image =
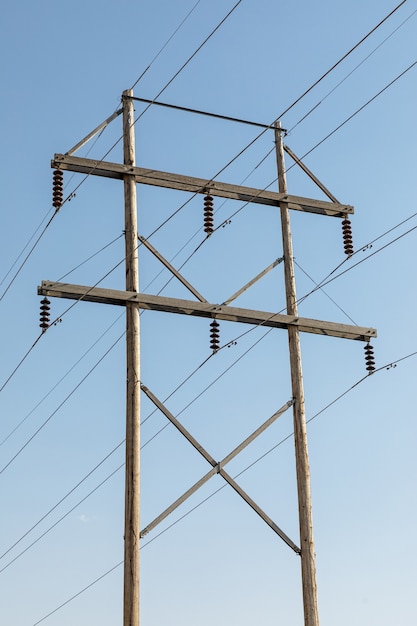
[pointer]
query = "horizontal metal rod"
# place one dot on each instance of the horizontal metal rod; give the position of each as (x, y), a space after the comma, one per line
(199, 112)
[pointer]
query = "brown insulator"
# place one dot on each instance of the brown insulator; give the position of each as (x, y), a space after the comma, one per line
(44, 316)
(208, 214)
(57, 189)
(369, 358)
(214, 336)
(347, 236)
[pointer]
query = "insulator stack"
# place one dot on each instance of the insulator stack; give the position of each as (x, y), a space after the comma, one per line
(44, 318)
(347, 236)
(214, 336)
(57, 189)
(369, 358)
(208, 214)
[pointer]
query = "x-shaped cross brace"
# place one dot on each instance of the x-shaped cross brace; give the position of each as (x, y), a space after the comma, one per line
(217, 468)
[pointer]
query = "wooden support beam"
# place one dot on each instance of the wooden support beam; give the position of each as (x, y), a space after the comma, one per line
(253, 281)
(132, 472)
(199, 185)
(308, 560)
(215, 469)
(219, 470)
(172, 269)
(204, 309)
(94, 132)
(310, 174)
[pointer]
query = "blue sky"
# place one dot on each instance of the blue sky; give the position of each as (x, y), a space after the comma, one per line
(65, 67)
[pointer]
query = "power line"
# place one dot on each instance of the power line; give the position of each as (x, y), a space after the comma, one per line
(91, 257)
(48, 530)
(341, 59)
(361, 108)
(273, 448)
(265, 129)
(22, 360)
(165, 45)
(325, 293)
(327, 280)
(16, 274)
(23, 249)
(59, 381)
(79, 593)
(32, 437)
(318, 286)
(351, 72)
(379, 94)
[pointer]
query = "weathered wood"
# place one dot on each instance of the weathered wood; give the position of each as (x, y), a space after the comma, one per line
(219, 470)
(204, 309)
(172, 269)
(308, 559)
(310, 174)
(253, 281)
(199, 185)
(132, 492)
(215, 468)
(94, 132)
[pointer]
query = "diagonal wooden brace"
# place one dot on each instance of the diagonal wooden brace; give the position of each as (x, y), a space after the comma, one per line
(217, 468)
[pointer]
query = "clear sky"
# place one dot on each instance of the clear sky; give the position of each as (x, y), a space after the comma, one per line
(62, 406)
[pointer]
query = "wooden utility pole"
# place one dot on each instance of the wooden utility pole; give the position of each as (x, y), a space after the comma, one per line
(200, 307)
(308, 566)
(132, 491)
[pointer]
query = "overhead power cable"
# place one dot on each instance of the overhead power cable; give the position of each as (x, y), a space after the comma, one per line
(319, 286)
(78, 594)
(22, 360)
(325, 293)
(300, 300)
(23, 249)
(350, 73)
(361, 108)
(148, 67)
(273, 448)
(170, 81)
(351, 267)
(333, 67)
(32, 437)
(267, 126)
(22, 421)
(16, 274)
(243, 206)
(48, 530)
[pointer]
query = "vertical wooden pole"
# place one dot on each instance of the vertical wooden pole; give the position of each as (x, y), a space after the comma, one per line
(132, 489)
(308, 566)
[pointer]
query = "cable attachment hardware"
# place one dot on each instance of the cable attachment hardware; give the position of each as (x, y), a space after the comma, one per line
(214, 336)
(369, 358)
(57, 189)
(208, 214)
(347, 236)
(44, 317)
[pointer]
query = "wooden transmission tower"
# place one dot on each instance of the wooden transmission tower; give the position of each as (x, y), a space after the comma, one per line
(133, 300)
